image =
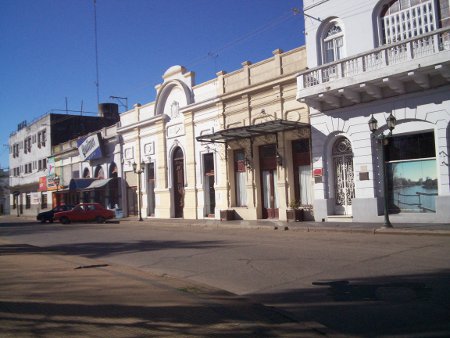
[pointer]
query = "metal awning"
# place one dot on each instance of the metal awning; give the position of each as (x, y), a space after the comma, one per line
(238, 133)
(87, 183)
(98, 183)
(80, 183)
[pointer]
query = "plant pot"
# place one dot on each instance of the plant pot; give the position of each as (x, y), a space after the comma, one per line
(294, 215)
(226, 215)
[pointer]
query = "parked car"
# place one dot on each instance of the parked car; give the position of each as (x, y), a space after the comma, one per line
(48, 216)
(85, 212)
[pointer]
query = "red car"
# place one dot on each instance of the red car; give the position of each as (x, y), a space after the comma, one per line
(85, 212)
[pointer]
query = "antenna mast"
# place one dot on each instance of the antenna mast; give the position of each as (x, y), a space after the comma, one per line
(97, 84)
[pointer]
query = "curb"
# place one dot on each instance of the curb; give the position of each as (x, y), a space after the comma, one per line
(362, 228)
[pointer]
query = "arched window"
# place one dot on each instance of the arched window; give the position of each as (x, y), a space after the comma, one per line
(404, 19)
(333, 42)
(86, 173)
(99, 172)
(113, 170)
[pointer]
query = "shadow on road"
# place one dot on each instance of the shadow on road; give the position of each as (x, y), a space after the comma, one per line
(104, 249)
(413, 305)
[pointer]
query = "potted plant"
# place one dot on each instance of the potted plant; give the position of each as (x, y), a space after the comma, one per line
(294, 213)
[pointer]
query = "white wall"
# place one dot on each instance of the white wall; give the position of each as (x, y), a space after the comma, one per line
(356, 16)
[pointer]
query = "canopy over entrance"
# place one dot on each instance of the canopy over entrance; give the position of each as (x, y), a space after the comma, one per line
(87, 183)
(261, 129)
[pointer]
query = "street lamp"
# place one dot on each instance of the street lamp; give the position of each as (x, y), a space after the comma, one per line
(56, 180)
(139, 172)
(383, 139)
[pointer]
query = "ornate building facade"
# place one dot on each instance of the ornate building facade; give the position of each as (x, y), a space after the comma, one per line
(387, 63)
(235, 146)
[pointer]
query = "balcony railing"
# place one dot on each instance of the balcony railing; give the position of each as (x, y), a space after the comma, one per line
(392, 54)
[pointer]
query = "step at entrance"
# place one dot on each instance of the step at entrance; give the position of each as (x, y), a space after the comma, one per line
(339, 218)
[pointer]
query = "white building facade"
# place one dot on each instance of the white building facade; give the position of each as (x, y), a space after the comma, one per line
(371, 58)
(30, 147)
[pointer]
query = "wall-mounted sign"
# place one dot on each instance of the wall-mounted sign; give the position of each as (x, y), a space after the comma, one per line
(89, 147)
(51, 183)
(42, 183)
(318, 172)
(50, 166)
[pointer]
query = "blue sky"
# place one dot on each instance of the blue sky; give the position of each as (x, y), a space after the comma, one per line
(47, 48)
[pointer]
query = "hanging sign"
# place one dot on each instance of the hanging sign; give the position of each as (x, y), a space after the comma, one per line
(318, 172)
(89, 147)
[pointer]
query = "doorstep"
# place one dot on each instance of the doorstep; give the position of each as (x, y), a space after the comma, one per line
(339, 218)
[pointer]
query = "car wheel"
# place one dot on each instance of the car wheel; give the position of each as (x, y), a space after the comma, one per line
(50, 220)
(100, 219)
(65, 220)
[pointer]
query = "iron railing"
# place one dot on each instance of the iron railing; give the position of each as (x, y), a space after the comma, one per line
(392, 54)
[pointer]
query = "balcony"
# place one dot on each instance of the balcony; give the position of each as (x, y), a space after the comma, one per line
(408, 66)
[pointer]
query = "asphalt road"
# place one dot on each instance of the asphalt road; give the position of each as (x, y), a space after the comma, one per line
(354, 284)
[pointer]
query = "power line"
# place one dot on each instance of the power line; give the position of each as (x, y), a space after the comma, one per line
(277, 21)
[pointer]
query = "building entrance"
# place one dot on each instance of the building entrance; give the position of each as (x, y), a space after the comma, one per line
(344, 186)
(268, 163)
(178, 182)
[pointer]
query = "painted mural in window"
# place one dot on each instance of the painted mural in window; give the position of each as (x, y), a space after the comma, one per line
(412, 174)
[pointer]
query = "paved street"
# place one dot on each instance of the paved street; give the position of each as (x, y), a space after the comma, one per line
(348, 283)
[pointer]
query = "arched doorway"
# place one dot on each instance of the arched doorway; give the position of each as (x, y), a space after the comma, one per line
(178, 182)
(344, 186)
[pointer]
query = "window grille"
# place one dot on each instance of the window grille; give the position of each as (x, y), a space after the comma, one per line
(404, 19)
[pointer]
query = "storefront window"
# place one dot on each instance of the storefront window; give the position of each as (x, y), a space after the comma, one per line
(412, 175)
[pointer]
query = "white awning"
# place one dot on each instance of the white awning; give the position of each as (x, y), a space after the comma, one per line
(98, 184)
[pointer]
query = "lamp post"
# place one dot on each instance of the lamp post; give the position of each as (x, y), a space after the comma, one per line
(56, 180)
(139, 172)
(383, 139)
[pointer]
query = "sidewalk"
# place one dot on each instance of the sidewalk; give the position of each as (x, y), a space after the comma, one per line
(46, 294)
(435, 229)
(399, 228)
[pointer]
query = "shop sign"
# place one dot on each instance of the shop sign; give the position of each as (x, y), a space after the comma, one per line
(51, 166)
(89, 147)
(42, 183)
(318, 172)
(51, 183)
(35, 198)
